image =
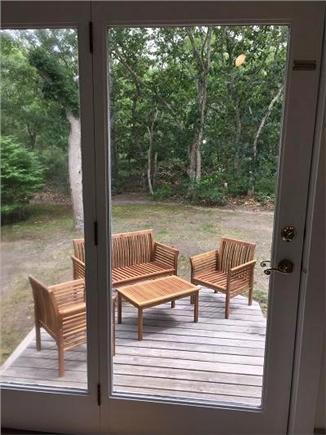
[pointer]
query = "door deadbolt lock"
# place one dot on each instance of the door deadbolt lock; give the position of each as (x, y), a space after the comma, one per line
(288, 233)
(284, 266)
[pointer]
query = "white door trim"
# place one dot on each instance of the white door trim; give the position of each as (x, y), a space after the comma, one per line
(311, 317)
(64, 412)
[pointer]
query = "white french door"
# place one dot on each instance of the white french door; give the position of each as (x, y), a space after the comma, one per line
(53, 403)
(97, 408)
(132, 414)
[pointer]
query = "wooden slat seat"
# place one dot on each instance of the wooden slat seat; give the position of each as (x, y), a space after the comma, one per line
(229, 270)
(121, 275)
(215, 277)
(135, 257)
(219, 279)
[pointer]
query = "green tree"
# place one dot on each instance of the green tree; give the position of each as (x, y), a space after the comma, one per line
(37, 123)
(21, 177)
(218, 116)
(54, 54)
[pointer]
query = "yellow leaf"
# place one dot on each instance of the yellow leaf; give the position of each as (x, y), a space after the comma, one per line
(240, 60)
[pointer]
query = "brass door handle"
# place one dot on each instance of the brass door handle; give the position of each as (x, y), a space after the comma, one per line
(284, 266)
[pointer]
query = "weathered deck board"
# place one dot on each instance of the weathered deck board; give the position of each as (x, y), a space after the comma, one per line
(215, 360)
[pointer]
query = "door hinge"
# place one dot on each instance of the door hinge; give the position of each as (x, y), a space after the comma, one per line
(99, 398)
(90, 27)
(95, 233)
(304, 65)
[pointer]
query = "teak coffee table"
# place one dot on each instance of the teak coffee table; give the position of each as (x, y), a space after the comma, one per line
(154, 292)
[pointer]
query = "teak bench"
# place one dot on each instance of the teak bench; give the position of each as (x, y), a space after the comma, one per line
(135, 257)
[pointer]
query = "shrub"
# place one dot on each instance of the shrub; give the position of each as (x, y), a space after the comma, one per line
(54, 160)
(163, 192)
(21, 176)
(209, 190)
(266, 186)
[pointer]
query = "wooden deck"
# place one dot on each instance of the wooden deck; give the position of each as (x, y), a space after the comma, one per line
(214, 360)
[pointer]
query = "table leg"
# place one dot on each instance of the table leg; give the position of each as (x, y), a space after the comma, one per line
(196, 306)
(119, 308)
(140, 323)
(172, 304)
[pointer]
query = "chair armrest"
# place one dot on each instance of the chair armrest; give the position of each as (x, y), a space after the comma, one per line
(243, 269)
(205, 262)
(72, 309)
(166, 255)
(68, 292)
(78, 268)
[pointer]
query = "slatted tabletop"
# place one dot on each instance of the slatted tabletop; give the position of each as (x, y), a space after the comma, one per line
(215, 360)
(148, 293)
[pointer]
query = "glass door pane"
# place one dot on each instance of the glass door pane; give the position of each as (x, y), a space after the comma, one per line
(195, 115)
(43, 287)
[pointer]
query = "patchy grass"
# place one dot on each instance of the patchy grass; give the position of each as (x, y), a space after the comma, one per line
(41, 246)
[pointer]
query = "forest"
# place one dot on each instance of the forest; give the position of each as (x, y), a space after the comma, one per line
(194, 113)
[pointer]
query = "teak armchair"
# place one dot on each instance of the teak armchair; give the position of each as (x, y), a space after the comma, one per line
(229, 270)
(60, 309)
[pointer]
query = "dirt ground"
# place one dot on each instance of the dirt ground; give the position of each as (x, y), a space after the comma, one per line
(41, 246)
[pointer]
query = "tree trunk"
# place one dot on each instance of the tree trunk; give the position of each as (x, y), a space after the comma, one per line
(75, 170)
(149, 170)
(154, 169)
(32, 136)
(194, 171)
(150, 152)
(236, 163)
(202, 57)
(251, 191)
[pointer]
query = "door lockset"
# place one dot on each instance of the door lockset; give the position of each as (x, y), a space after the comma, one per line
(284, 266)
(288, 233)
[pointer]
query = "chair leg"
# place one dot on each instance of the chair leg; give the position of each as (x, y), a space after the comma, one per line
(227, 305)
(113, 326)
(61, 358)
(250, 295)
(38, 336)
(119, 308)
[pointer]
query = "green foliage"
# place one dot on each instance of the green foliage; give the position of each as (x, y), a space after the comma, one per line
(163, 192)
(21, 176)
(39, 84)
(156, 68)
(58, 82)
(208, 191)
(154, 93)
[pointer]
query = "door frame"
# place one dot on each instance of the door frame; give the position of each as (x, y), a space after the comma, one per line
(65, 412)
(48, 408)
(310, 337)
(150, 415)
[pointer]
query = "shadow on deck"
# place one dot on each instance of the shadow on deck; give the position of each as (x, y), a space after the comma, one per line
(215, 360)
